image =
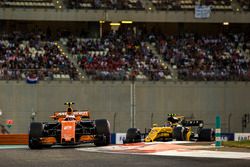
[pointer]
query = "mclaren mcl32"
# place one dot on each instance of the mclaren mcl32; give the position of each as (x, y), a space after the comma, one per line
(71, 128)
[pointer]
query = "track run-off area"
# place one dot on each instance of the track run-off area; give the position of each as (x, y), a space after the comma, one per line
(181, 149)
(177, 154)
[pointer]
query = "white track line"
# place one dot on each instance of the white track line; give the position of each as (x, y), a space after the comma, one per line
(4, 147)
(206, 154)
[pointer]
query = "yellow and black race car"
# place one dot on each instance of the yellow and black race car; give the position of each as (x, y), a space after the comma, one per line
(71, 128)
(176, 128)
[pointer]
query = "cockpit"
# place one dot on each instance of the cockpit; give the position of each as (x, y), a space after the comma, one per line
(69, 118)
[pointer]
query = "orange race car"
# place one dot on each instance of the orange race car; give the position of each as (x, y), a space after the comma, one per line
(72, 128)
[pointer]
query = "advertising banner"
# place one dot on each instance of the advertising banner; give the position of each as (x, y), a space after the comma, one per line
(119, 138)
(241, 136)
(227, 136)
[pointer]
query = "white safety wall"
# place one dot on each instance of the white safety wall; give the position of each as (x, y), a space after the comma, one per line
(112, 100)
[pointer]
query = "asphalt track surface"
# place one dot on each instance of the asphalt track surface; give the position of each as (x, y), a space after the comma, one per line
(71, 157)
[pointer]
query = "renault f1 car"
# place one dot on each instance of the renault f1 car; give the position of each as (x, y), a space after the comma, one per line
(176, 128)
(71, 128)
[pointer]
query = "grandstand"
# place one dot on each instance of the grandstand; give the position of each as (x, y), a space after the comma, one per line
(106, 4)
(186, 56)
(130, 51)
(28, 3)
(190, 4)
(23, 55)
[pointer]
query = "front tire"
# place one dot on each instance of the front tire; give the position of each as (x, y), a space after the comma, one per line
(207, 135)
(102, 137)
(133, 135)
(35, 133)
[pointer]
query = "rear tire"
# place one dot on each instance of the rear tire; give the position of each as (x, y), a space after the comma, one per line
(102, 137)
(35, 133)
(178, 133)
(133, 135)
(206, 135)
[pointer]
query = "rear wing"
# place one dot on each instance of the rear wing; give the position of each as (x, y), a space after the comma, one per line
(199, 123)
(81, 114)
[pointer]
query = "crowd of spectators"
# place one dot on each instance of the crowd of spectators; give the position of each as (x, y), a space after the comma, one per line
(190, 4)
(206, 57)
(28, 54)
(125, 55)
(245, 4)
(28, 3)
(105, 4)
(168, 4)
(121, 55)
(127, 4)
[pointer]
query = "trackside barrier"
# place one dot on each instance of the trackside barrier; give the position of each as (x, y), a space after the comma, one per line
(14, 139)
(22, 139)
(112, 138)
(227, 136)
(117, 138)
(241, 136)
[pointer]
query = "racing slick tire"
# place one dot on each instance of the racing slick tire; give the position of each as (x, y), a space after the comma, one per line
(207, 134)
(102, 137)
(178, 133)
(35, 133)
(133, 135)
